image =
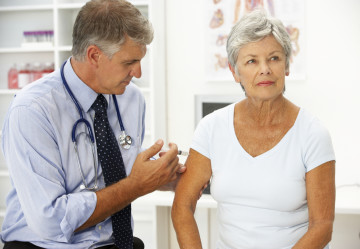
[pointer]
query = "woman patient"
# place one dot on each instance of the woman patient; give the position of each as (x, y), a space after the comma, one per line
(271, 163)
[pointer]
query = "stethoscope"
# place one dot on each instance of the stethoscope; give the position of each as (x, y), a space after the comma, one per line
(125, 140)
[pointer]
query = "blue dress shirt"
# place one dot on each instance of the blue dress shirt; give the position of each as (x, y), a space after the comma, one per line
(46, 204)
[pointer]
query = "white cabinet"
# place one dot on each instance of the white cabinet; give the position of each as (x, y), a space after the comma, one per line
(17, 16)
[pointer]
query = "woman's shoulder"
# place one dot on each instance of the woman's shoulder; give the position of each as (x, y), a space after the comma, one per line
(310, 126)
(315, 140)
(308, 120)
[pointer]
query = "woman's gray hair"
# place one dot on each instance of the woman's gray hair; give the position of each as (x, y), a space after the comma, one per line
(253, 27)
(106, 24)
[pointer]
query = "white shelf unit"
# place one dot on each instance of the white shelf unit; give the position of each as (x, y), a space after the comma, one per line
(17, 16)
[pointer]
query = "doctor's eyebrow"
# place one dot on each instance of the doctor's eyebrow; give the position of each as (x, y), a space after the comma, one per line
(130, 61)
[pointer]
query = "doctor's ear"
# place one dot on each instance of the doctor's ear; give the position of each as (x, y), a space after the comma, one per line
(93, 54)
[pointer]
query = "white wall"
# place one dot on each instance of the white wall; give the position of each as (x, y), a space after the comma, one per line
(330, 90)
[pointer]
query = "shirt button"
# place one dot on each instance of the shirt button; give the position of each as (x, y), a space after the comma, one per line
(99, 227)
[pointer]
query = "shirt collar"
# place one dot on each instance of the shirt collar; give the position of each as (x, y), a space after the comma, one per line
(82, 92)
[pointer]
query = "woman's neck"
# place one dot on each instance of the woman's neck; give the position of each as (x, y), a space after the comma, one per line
(264, 113)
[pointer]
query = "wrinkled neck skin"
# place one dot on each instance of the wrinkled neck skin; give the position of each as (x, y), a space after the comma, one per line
(265, 112)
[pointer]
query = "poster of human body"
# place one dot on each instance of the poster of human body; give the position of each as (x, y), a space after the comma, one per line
(220, 17)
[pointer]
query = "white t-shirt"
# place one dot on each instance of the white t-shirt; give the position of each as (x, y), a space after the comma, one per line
(261, 200)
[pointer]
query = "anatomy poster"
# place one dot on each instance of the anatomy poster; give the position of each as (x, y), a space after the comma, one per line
(221, 15)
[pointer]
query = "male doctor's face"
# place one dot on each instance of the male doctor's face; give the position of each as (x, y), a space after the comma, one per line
(116, 73)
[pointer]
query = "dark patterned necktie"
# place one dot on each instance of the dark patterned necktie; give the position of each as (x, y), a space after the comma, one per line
(113, 169)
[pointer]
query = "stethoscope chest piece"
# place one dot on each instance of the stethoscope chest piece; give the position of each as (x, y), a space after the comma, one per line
(125, 140)
(83, 187)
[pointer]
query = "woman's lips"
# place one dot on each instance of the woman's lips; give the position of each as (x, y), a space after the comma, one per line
(265, 83)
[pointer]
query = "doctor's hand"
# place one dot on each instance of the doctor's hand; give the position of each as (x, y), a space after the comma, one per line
(150, 175)
(171, 186)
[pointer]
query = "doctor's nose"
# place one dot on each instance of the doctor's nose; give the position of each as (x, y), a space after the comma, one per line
(136, 70)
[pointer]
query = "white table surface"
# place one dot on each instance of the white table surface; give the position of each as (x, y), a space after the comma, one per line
(347, 200)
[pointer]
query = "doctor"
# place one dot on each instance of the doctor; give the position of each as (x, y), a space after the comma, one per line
(60, 197)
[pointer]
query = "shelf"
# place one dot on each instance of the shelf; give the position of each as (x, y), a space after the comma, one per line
(75, 6)
(71, 6)
(4, 173)
(2, 212)
(27, 8)
(27, 50)
(9, 91)
(65, 48)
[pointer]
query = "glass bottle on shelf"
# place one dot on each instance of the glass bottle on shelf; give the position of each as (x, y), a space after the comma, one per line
(24, 75)
(48, 68)
(13, 78)
(36, 71)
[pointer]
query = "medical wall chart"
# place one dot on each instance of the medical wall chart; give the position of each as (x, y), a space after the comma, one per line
(221, 15)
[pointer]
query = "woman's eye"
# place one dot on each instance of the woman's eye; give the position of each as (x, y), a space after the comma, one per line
(274, 58)
(250, 61)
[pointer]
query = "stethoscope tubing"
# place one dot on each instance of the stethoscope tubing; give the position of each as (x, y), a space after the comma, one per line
(73, 135)
(82, 119)
(122, 128)
(125, 141)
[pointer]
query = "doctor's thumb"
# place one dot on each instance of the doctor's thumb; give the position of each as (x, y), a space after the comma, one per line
(154, 149)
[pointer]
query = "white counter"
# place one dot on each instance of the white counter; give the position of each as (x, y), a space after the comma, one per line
(161, 234)
(160, 198)
(347, 200)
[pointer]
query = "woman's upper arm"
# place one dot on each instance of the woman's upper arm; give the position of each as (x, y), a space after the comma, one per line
(197, 174)
(320, 188)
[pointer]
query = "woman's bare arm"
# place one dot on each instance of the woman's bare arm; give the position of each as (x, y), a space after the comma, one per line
(198, 173)
(320, 188)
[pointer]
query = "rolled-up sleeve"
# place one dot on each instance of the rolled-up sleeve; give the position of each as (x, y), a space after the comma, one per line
(38, 175)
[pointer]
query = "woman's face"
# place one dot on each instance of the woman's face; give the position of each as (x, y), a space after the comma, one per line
(261, 69)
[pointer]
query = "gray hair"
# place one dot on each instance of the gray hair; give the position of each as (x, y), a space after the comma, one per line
(253, 27)
(106, 24)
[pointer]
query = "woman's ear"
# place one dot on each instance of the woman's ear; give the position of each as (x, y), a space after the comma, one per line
(235, 75)
(287, 71)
